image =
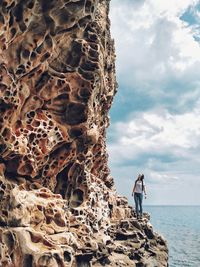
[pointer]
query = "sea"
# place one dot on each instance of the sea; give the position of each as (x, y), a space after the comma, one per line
(180, 226)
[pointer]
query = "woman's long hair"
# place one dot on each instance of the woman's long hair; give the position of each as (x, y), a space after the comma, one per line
(140, 177)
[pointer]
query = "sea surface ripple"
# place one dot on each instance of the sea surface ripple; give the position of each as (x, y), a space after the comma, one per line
(180, 225)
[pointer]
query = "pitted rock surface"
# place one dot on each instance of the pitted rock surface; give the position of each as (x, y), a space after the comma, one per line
(58, 204)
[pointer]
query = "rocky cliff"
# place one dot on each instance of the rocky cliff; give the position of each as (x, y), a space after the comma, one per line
(58, 205)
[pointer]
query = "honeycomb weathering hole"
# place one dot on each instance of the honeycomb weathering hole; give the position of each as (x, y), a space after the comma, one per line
(75, 113)
(77, 198)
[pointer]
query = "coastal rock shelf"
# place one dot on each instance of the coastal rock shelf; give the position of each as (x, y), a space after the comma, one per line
(58, 203)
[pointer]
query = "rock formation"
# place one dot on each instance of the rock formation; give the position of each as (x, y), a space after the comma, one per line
(58, 204)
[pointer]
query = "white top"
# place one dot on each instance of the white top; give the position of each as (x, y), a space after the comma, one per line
(138, 187)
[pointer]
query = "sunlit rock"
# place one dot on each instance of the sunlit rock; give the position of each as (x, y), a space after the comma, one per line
(58, 204)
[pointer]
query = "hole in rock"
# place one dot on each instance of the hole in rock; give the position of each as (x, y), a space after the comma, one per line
(89, 66)
(18, 12)
(36, 123)
(88, 6)
(22, 26)
(25, 169)
(62, 97)
(33, 55)
(62, 181)
(11, 21)
(11, 166)
(76, 198)
(85, 92)
(60, 82)
(48, 41)
(44, 57)
(67, 256)
(1, 194)
(2, 148)
(81, 146)
(15, 222)
(39, 49)
(42, 80)
(73, 58)
(59, 222)
(75, 132)
(83, 21)
(30, 4)
(86, 75)
(47, 5)
(1, 18)
(9, 240)
(63, 16)
(84, 260)
(75, 113)
(2, 87)
(5, 212)
(74, 7)
(28, 260)
(4, 106)
(31, 137)
(79, 180)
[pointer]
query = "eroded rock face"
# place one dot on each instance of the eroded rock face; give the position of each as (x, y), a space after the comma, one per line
(57, 81)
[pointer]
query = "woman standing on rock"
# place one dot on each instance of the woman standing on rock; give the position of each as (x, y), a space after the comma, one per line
(138, 189)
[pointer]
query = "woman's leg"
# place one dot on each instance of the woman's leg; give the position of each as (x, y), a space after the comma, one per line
(140, 203)
(136, 203)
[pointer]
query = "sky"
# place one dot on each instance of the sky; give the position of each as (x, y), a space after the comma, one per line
(155, 117)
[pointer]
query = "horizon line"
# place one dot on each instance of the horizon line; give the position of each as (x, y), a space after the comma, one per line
(175, 205)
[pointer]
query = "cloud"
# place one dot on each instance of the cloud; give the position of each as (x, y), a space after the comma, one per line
(155, 119)
(155, 177)
(154, 45)
(151, 130)
(163, 146)
(170, 7)
(157, 132)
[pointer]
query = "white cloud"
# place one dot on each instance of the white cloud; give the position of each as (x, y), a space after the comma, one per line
(153, 45)
(156, 132)
(163, 146)
(157, 58)
(170, 7)
(164, 178)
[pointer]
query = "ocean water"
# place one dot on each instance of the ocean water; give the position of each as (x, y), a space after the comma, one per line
(180, 225)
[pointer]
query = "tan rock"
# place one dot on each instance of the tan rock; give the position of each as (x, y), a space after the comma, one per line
(58, 204)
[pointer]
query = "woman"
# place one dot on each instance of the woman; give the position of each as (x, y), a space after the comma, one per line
(138, 189)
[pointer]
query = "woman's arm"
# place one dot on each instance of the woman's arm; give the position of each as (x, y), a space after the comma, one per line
(145, 191)
(133, 189)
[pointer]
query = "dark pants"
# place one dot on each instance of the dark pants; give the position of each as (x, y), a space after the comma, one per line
(138, 203)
